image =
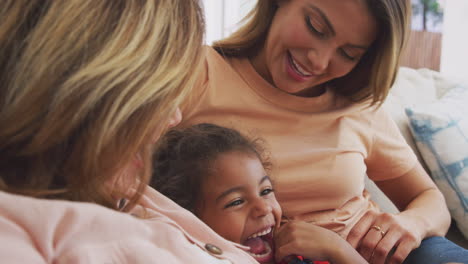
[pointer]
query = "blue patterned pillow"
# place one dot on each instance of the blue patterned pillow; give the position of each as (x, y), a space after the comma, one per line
(441, 134)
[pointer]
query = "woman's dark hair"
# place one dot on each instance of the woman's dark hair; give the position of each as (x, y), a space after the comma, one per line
(185, 156)
(374, 75)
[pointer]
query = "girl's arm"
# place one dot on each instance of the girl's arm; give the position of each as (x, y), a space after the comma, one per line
(315, 243)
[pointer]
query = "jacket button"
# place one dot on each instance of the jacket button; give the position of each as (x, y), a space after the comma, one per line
(213, 249)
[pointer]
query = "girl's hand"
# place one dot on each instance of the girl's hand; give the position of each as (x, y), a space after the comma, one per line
(301, 238)
(313, 242)
(381, 237)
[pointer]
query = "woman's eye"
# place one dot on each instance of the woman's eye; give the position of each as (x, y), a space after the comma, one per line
(314, 29)
(347, 56)
(234, 203)
(266, 191)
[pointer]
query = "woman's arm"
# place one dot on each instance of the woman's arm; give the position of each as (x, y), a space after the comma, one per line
(17, 246)
(315, 243)
(416, 195)
(381, 236)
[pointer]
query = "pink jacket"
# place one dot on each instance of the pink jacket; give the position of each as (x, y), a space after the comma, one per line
(50, 231)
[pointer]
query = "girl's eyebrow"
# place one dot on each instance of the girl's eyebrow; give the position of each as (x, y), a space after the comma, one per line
(229, 191)
(324, 17)
(264, 178)
(239, 188)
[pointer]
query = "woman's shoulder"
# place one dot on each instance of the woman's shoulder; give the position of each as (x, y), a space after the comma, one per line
(348, 107)
(44, 231)
(213, 55)
(217, 61)
(219, 78)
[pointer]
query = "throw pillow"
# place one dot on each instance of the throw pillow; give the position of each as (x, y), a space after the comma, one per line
(440, 130)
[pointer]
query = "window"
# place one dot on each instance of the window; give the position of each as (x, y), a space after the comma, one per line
(224, 16)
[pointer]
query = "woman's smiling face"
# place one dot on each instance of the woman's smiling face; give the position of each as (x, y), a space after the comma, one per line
(311, 42)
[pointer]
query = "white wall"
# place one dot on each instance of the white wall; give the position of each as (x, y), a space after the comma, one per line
(214, 19)
(223, 16)
(454, 57)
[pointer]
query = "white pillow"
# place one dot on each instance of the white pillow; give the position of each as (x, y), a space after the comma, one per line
(412, 87)
(440, 130)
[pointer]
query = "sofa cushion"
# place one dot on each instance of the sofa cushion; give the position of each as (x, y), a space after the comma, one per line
(414, 87)
(440, 130)
(411, 88)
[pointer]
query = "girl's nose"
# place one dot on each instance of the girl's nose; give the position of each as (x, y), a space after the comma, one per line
(175, 119)
(262, 208)
(319, 60)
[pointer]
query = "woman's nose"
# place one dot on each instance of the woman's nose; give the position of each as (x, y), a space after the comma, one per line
(175, 119)
(319, 60)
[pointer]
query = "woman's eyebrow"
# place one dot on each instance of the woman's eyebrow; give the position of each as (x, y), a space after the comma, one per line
(324, 17)
(330, 26)
(358, 46)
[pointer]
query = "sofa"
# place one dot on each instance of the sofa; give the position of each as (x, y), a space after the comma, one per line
(417, 97)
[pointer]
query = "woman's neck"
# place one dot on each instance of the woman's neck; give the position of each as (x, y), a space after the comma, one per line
(258, 63)
(313, 91)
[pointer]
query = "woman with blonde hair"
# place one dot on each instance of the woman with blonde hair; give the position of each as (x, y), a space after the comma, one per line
(310, 76)
(82, 96)
(87, 87)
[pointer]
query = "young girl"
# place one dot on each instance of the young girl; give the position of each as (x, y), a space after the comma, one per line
(222, 177)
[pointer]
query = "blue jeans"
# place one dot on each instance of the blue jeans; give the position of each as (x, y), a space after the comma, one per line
(437, 250)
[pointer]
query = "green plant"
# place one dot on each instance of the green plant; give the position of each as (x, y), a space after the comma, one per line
(428, 8)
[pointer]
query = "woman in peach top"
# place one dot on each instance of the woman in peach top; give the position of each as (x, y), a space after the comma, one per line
(309, 76)
(87, 86)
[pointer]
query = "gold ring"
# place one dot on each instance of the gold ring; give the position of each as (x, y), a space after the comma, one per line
(378, 228)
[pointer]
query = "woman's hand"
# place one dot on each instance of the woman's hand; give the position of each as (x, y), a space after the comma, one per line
(313, 242)
(423, 214)
(381, 237)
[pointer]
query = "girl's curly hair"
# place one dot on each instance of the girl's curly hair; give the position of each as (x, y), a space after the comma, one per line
(185, 156)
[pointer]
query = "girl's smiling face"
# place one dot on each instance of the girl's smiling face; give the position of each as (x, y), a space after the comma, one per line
(311, 42)
(239, 204)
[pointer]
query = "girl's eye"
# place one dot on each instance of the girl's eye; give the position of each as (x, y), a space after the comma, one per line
(234, 203)
(314, 29)
(347, 56)
(266, 191)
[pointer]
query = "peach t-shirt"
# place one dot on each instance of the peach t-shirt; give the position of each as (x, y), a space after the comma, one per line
(321, 147)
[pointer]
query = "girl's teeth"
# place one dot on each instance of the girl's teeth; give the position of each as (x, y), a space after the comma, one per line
(262, 233)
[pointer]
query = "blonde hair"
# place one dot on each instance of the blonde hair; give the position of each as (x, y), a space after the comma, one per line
(374, 75)
(86, 85)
